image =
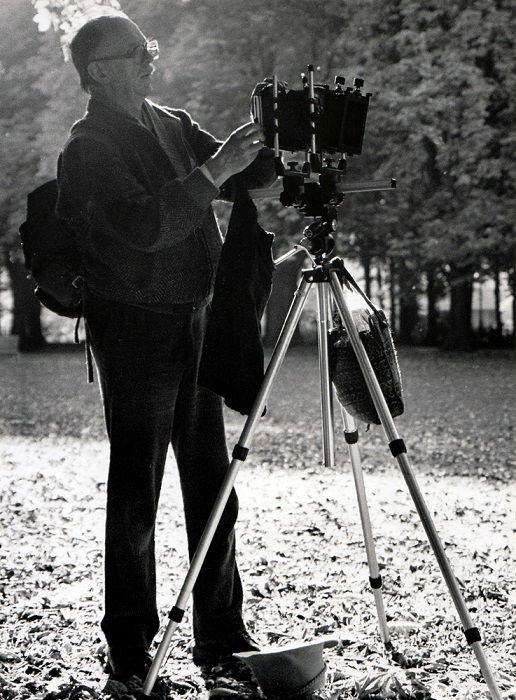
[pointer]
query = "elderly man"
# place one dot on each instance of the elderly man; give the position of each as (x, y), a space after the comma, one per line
(136, 183)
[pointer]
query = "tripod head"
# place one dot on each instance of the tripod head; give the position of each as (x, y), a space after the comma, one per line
(317, 236)
(309, 196)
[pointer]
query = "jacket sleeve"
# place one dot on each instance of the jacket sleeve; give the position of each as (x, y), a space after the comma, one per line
(202, 143)
(259, 173)
(97, 188)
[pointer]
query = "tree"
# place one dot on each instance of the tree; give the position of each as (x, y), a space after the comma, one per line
(447, 116)
(440, 117)
(19, 156)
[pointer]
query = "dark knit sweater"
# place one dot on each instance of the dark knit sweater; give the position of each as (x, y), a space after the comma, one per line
(147, 237)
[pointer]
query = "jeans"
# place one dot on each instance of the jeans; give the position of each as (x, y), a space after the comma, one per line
(147, 364)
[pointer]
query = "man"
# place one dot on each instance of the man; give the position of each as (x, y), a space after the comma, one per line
(136, 182)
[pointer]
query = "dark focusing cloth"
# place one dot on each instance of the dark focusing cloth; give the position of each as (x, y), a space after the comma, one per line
(232, 357)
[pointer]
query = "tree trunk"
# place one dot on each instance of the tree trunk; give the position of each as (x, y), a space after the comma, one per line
(409, 309)
(284, 284)
(379, 283)
(392, 297)
(26, 308)
(498, 313)
(432, 313)
(480, 298)
(514, 310)
(366, 264)
(459, 333)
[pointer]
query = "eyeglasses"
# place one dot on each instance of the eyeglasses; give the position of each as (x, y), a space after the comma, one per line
(150, 47)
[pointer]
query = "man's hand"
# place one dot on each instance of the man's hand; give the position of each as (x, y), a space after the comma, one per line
(237, 151)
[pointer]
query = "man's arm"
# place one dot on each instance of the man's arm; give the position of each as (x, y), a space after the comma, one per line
(259, 173)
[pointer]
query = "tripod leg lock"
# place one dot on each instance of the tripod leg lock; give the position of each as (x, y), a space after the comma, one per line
(176, 614)
(472, 635)
(351, 438)
(397, 447)
(375, 582)
(240, 452)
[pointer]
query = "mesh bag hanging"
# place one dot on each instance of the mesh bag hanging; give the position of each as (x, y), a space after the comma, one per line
(345, 372)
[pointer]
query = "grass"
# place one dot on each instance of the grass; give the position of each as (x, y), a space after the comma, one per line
(458, 416)
(301, 548)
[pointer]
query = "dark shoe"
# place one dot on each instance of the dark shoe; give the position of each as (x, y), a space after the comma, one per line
(132, 688)
(228, 674)
(124, 663)
(118, 687)
(217, 652)
(128, 670)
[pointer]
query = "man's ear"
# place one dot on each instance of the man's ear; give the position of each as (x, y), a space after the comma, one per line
(97, 72)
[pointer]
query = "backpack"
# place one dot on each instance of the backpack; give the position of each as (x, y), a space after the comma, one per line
(51, 255)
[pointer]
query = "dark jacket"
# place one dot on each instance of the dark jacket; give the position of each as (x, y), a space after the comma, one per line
(146, 236)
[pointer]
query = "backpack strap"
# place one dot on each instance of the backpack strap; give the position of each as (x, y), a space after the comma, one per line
(89, 359)
(87, 344)
(87, 348)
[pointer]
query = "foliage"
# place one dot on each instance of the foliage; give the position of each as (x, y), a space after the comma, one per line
(442, 78)
(32, 118)
(445, 129)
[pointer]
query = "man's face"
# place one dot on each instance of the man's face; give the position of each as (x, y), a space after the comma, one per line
(128, 74)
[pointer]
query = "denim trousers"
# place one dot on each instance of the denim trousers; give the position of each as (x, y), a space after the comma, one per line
(147, 364)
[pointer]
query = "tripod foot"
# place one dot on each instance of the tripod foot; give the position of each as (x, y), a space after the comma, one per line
(375, 580)
(152, 674)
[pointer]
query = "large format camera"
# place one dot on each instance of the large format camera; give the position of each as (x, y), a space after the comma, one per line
(318, 121)
(336, 118)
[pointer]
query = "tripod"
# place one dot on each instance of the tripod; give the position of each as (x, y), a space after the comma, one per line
(326, 276)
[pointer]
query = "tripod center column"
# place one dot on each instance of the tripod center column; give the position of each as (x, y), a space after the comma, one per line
(323, 318)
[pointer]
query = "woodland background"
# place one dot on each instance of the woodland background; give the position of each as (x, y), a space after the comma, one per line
(435, 253)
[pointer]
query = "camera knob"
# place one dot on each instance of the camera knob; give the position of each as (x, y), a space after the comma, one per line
(329, 162)
(340, 80)
(292, 164)
(358, 83)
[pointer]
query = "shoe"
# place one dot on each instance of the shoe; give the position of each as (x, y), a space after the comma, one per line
(226, 673)
(127, 669)
(124, 663)
(118, 687)
(216, 661)
(132, 689)
(215, 653)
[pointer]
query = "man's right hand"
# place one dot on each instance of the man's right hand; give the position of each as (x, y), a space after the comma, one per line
(236, 153)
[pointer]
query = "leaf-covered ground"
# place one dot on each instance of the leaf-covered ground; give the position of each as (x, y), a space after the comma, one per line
(301, 548)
